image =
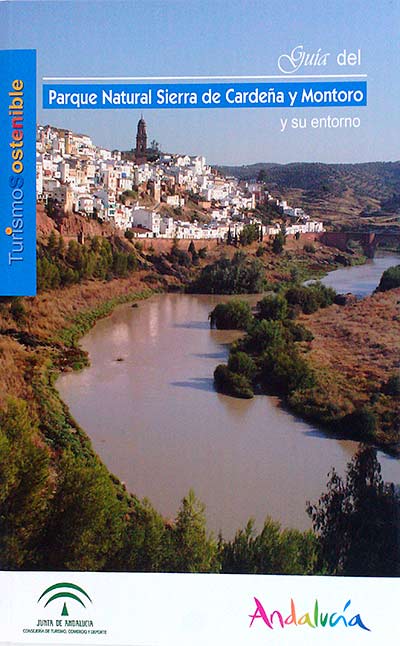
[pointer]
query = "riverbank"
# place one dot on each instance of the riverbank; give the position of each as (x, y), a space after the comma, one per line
(53, 321)
(333, 365)
(44, 343)
(354, 354)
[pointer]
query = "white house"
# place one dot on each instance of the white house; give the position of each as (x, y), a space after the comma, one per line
(147, 219)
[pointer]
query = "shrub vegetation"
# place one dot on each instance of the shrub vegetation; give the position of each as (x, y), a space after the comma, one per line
(390, 279)
(241, 275)
(59, 265)
(235, 315)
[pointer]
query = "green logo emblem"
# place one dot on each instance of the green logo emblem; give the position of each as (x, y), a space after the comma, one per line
(78, 595)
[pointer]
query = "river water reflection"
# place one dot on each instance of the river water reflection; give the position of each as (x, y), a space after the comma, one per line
(157, 423)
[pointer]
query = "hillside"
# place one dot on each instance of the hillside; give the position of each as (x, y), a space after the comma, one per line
(69, 226)
(338, 193)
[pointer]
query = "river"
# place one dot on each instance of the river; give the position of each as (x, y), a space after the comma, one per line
(361, 280)
(148, 404)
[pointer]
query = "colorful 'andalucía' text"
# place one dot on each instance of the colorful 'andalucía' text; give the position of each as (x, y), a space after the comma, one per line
(315, 619)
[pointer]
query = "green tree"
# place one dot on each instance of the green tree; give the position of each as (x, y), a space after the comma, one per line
(48, 274)
(61, 247)
(250, 233)
(363, 423)
(278, 243)
(356, 521)
(52, 243)
(284, 370)
(309, 299)
(129, 235)
(242, 364)
(234, 315)
(146, 543)
(392, 386)
(241, 275)
(95, 244)
(51, 207)
(272, 307)
(390, 279)
(297, 331)
(193, 253)
(232, 383)
(120, 264)
(324, 296)
(25, 486)
(195, 551)
(273, 551)
(263, 335)
(74, 255)
(86, 524)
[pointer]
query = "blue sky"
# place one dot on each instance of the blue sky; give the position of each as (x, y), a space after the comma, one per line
(176, 37)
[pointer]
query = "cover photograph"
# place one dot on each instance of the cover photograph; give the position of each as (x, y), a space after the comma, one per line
(199, 322)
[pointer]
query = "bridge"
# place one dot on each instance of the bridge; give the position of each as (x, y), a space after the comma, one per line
(368, 240)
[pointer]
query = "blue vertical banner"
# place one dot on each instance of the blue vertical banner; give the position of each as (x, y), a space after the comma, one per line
(18, 173)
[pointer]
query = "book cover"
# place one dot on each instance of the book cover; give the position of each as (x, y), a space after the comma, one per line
(199, 375)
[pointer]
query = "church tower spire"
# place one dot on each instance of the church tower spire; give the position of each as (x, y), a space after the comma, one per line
(141, 141)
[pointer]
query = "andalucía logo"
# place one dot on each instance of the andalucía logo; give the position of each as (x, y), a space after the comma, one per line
(319, 617)
(64, 603)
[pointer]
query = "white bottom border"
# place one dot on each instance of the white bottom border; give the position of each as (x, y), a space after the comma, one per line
(142, 609)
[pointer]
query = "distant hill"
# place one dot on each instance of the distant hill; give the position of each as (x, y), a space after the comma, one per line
(341, 193)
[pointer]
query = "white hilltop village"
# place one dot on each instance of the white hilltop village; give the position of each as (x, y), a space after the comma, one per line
(78, 176)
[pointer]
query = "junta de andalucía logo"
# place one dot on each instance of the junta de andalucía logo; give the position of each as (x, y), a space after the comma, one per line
(66, 606)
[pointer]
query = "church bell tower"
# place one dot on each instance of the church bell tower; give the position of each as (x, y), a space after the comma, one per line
(141, 141)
